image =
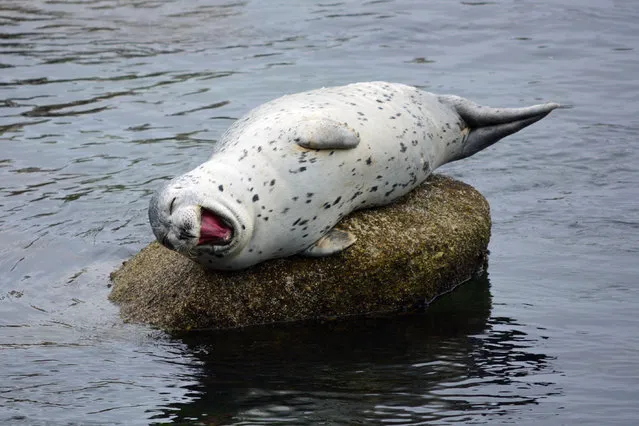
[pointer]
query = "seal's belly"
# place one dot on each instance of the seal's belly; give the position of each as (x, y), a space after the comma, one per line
(314, 189)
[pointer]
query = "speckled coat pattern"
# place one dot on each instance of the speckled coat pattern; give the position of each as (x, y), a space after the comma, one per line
(295, 195)
(282, 197)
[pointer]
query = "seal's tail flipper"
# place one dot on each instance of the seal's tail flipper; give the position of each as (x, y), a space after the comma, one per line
(488, 125)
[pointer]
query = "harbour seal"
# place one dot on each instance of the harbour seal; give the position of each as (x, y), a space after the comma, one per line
(282, 176)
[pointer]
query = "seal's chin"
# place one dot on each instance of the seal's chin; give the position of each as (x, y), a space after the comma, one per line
(214, 229)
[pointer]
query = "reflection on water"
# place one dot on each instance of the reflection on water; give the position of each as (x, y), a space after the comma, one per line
(449, 362)
(103, 100)
(67, 375)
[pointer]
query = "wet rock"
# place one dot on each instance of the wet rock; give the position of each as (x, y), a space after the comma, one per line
(406, 254)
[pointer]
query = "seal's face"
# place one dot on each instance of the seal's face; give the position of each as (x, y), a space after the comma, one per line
(189, 217)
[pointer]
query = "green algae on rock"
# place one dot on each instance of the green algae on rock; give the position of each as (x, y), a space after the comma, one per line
(406, 253)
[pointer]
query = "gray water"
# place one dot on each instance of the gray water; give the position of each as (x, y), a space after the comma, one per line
(102, 100)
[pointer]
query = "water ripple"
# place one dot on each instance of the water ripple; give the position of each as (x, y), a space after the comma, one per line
(103, 100)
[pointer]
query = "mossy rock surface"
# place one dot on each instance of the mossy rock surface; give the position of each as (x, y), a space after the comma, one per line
(418, 248)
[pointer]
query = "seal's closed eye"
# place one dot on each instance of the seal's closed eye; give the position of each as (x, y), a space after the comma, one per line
(166, 243)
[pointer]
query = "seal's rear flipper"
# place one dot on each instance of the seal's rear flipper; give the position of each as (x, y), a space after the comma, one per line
(333, 242)
(324, 133)
(488, 125)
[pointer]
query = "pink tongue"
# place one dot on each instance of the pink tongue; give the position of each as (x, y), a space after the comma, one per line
(212, 229)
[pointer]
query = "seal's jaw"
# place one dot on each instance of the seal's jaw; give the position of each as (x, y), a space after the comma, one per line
(222, 230)
(214, 229)
(195, 217)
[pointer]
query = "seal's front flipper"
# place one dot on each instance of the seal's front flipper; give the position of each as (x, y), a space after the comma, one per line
(324, 133)
(333, 242)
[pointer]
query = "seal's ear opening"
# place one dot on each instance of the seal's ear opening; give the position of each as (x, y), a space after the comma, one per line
(213, 229)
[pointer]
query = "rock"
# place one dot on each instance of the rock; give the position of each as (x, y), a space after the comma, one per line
(406, 254)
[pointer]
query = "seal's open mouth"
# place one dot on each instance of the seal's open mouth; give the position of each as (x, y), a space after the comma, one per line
(214, 230)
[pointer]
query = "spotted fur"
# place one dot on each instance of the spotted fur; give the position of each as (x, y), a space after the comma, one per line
(281, 197)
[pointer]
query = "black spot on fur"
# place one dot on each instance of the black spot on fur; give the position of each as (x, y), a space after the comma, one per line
(256, 197)
(373, 189)
(221, 188)
(294, 171)
(403, 147)
(369, 160)
(337, 200)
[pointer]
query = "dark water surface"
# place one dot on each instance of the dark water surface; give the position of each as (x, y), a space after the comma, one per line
(102, 100)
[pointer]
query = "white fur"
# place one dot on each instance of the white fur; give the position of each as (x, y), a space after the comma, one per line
(281, 198)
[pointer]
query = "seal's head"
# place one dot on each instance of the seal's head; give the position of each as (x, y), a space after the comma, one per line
(194, 216)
